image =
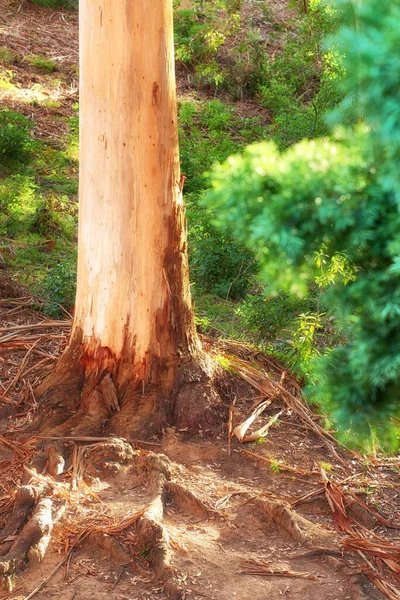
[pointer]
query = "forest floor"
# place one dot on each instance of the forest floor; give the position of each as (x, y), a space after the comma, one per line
(293, 515)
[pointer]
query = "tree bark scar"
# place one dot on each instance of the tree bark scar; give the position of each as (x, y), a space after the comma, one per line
(182, 182)
(155, 95)
(98, 358)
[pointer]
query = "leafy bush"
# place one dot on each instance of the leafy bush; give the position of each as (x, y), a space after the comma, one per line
(190, 38)
(219, 264)
(273, 317)
(247, 62)
(15, 141)
(59, 285)
(224, 48)
(53, 222)
(209, 39)
(299, 82)
(341, 193)
(328, 192)
(211, 131)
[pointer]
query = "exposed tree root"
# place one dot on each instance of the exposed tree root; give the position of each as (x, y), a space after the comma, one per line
(24, 502)
(33, 540)
(185, 500)
(283, 517)
(156, 475)
(97, 408)
(152, 535)
(297, 527)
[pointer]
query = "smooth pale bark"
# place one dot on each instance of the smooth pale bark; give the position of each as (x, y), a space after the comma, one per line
(133, 314)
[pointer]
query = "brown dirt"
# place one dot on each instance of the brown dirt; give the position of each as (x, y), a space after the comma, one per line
(180, 517)
(27, 29)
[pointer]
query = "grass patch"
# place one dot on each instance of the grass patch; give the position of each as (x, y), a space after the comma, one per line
(47, 65)
(6, 56)
(6, 77)
(60, 4)
(15, 141)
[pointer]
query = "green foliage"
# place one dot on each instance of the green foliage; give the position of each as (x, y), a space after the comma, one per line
(272, 318)
(15, 141)
(369, 43)
(275, 466)
(246, 64)
(6, 56)
(326, 193)
(63, 4)
(55, 219)
(340, 195)
(58, 286)
(211, 131)
(213, 42)
(38, 219)
(199, 34)
(72, 150)
(41, 62)
(303, 345)
(298, 86)
(218, 263)
(190, 40)
(225, 48)
(19, 204)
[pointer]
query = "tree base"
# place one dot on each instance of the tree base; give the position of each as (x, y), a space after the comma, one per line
(166, 507)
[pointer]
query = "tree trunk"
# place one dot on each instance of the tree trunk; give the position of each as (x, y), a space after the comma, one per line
(133, 316)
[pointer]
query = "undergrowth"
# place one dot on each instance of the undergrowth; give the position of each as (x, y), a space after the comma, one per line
(63, 4)
(229, 49)
(38, 212)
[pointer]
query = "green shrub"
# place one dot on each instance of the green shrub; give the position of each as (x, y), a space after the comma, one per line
(23, 210)
(247, 65)
(273, 317)
(298, 85)
(218, 263)
(333, 193)
(51, 223)
(19, 203)
(342, 195)
(190, 38)
(58, 286)
(211, 131)
(200, 33)
(15, 141)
